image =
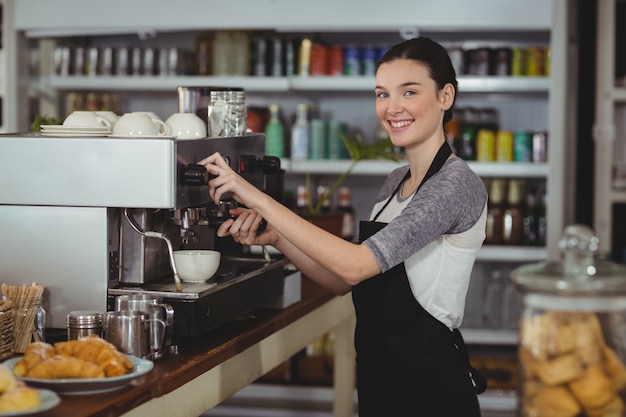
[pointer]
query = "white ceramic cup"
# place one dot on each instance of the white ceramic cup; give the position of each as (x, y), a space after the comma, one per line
(186, 126)
(85, 119)
(163, 128)
(112, 117)
(138, 124)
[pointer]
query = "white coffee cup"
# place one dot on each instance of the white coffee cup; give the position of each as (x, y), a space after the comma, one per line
(85, 119)
(138, 124)
(163, 128)
(186, 126)
(112, 117)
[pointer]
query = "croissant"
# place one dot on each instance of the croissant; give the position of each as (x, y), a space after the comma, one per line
(34, 353)
(97, 350)
(87, 357)
(66, 367)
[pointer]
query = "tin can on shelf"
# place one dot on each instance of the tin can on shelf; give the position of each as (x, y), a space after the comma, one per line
(518, 62)
(351, 62)
(504, 146)
(540, 147)
(534, 61)
(485, 145)
(523, 146)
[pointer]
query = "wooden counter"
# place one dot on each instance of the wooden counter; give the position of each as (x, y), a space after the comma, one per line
(210, 368)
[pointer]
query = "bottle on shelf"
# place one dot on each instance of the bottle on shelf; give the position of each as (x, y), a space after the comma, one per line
(512, 231)
(453, 130)
(534, 222)
(302, 199)
(344, 206)
(467, 145)
(541, 218)
(323, 194)
(530, 221)
(492, 313)
(274, 133)
(300, 133)
(222, 59)
(511, 303)
(495, 212)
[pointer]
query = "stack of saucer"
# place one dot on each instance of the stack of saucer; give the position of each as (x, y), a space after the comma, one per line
(79, 123)
(61, 130)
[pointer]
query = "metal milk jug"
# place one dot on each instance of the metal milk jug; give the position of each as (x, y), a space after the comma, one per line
(572, 337)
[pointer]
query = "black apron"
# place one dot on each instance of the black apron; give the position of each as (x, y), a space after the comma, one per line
(408, 362)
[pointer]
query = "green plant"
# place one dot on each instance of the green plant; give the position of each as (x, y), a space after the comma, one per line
(358, 151)
(43, 120)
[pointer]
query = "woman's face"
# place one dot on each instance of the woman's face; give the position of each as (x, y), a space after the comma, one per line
(409, 104)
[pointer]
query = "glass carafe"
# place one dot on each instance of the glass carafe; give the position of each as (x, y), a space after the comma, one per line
(572, 346)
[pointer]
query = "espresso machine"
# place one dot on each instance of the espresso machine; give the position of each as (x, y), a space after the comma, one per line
(67, 210)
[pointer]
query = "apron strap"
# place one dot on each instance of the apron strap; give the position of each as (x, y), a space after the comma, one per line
(440, 158)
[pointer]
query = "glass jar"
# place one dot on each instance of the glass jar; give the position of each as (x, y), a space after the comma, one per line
(227, 112)
(572, 346)
(6, 329)
(29, 322)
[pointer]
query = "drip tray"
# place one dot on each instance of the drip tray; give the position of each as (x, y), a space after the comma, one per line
(230, 272)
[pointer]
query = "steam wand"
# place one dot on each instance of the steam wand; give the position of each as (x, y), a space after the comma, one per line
(170, 249)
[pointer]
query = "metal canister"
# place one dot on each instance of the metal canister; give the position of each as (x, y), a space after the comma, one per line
(83, 323)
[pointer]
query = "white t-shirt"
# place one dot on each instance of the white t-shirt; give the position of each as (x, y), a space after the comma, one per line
(437, 233)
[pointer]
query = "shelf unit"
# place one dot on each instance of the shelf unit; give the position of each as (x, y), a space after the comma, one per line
(606, 132)
(490, 18)
(346, 84)
(8, 69)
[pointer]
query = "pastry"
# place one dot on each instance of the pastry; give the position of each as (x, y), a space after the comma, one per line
(553, 402)
(60, 367)
(7, 380)
(594, 389)
(560, 370)
(19, 398)
(614, 408)
(33, 354)
(614, 367)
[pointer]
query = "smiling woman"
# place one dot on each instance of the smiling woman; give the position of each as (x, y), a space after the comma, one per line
(410, 271)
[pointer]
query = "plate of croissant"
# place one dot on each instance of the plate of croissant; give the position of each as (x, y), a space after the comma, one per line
(88, 365)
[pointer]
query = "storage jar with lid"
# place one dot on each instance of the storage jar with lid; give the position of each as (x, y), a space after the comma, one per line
(227, 112)
(572, 346)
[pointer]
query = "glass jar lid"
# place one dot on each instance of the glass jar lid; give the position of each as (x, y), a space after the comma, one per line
(578, 274)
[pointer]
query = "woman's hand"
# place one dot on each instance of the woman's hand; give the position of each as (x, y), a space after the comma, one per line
(228, 181)
(244, 228)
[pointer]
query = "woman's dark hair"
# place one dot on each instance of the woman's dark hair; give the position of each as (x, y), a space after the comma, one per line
(432, 55)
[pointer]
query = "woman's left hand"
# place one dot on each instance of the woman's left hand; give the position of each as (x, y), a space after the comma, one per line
(244, 228)
(228, 181)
